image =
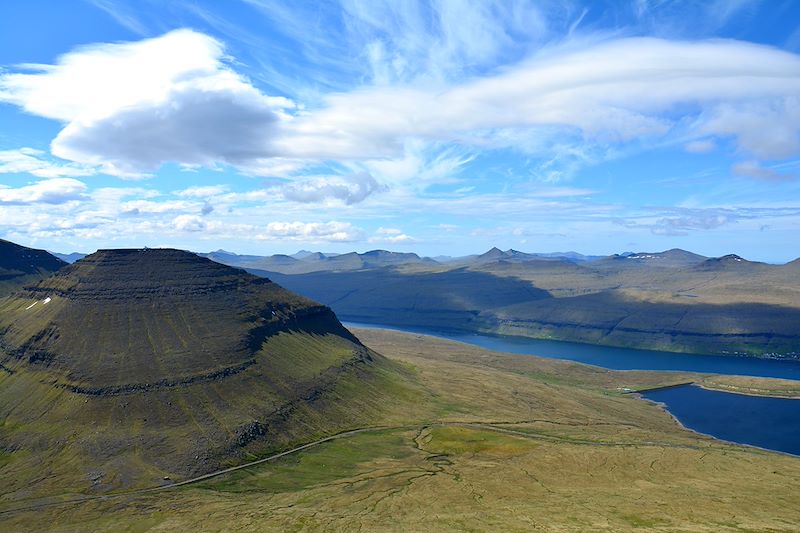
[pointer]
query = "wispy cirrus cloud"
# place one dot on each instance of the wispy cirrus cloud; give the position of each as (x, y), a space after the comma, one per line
(37, 163)
(754, 169)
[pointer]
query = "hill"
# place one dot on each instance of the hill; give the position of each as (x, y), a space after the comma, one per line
(304, 261)
(133, 365)
(673, 300)
(20, 265)
(493, 442)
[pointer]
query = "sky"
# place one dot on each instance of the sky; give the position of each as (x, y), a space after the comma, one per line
(441, 127)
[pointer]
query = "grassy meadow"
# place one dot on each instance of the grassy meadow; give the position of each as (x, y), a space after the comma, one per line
(487, 442)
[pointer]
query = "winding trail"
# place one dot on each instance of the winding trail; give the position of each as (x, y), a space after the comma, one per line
(39, 503)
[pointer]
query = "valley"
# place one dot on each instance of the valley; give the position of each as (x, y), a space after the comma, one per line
(157, 390)
(494, 441)
(423, 266)
(667, 301)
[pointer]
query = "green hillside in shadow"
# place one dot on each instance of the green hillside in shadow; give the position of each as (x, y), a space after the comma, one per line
(672, 301)
(130, 366)
(20, 266)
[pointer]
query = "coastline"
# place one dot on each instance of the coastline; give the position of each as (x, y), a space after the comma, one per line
(664, 408)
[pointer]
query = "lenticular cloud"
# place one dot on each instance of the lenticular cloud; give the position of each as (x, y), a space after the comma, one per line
(130, 107)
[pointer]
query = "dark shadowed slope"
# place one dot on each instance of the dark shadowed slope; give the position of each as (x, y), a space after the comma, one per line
(449, 300)
(673, 300)
(20, 265)
(134, 364)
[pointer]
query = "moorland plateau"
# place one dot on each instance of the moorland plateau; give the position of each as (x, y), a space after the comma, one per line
(156, 390)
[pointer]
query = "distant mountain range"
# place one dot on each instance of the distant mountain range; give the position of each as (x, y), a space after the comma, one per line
(304, 261)
(673, 300)
(70, 258)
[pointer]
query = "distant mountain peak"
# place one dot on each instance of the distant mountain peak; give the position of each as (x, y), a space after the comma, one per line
(493, 253)
(223, 252)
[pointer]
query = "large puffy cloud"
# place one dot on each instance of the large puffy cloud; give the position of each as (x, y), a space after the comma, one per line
(49, 191)
(129, 107)
(193, 126)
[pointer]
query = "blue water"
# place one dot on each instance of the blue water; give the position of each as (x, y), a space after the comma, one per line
(618, 358)
(772, 423)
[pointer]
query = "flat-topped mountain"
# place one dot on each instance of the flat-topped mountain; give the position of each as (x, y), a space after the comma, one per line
(162, 357)
(136, 318)
(20, 265)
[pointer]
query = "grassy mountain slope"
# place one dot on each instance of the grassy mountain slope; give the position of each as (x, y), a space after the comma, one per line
(673, 300)
(20, 265)
(132, 365)
(495, 442)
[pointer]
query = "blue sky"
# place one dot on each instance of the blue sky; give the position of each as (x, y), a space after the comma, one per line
(439, 127)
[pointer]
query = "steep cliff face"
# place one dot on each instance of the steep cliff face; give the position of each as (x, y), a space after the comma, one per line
(153, 361)
(128, 318)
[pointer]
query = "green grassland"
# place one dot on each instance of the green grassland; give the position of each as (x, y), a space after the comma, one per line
(470, 440)
(133, 366)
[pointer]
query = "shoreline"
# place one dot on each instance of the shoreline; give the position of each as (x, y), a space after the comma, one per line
(708, 387)
(666, 410)
(745, 393)
(770, 356)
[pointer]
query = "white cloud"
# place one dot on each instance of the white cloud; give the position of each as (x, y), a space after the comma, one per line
(140, 206)
(350, 190)
(390, 235)
(766, 128)
(703, 146)
(36, 163)
(754, 169)
(388, 231)
(48, 191)
(129, 107)
(189, 223)
(202, 191)
(405, 40)
(310, 232)
(121, 14)
(611, 92)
